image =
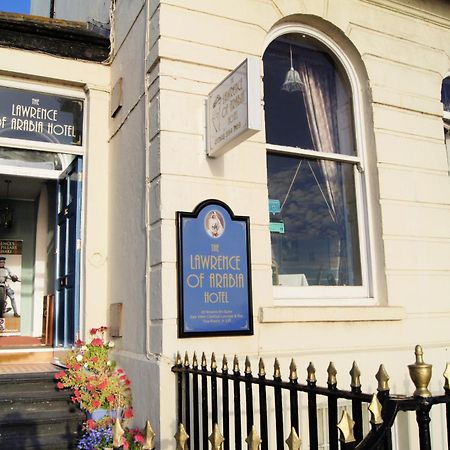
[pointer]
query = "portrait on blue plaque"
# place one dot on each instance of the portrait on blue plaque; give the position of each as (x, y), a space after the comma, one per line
(214, 276)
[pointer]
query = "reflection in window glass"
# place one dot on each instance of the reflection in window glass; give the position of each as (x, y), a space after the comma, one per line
(297, 117)
(314, 225)
(35, 159)
(445, 94)
(15, 6)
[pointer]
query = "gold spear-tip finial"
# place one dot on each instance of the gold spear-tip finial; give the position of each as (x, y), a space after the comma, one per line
(186, 360)
(149, 437)
(204, 363)
(181, 438)
(375, 409)
(117, 434)
(382, 378)
(213, 362)
(311, 373)
(293, 441)
(355, 374)
(195, 361)
(178, 361)
(332, 372)
(235, 364)
(276, 369)
(293, 371)
(261, 368)
(345, 426)
(216, 438)
(248, 366)
(253, 440)
(224, 364)
(447, 376)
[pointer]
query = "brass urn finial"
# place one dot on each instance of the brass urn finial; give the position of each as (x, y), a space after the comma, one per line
(420, 374)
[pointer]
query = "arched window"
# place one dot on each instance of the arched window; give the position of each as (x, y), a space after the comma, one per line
(315, 172)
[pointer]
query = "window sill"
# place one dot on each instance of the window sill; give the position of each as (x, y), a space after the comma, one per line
(286, 314)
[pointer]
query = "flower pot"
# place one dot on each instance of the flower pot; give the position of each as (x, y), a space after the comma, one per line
(99, 413)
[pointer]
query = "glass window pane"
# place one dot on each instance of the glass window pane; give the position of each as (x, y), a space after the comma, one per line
(34, 158)
(314, 227)
(304, 93)
(445, 94)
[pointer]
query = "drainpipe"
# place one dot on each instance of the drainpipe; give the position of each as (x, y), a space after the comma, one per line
(148, 353)
(52, 9)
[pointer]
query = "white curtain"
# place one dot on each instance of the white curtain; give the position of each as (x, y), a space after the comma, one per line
(319, 93)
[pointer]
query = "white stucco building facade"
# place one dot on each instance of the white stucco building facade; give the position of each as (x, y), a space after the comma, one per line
(145, 160)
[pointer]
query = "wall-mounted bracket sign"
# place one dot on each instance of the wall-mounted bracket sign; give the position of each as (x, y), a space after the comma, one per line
(35, 116)
(214, 274)
(234, 108)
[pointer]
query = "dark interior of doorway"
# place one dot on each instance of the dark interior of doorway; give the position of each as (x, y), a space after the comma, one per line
(27, 214)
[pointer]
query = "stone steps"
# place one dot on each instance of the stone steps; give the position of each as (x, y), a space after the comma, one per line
(34, 414)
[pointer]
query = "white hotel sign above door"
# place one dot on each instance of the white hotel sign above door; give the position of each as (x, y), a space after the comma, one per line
(234, 108)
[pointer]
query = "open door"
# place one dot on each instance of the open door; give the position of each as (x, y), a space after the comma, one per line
(68, 235)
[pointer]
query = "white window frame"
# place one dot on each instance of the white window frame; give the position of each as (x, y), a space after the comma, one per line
(335, 295)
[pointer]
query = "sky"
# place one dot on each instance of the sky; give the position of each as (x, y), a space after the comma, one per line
(16, 6)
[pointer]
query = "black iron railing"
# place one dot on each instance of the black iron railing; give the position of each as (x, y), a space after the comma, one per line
(218, 408)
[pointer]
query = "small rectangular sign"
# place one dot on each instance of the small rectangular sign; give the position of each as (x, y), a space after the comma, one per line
(276, 227)
(234, 108)
(35, 116)
(214, 280)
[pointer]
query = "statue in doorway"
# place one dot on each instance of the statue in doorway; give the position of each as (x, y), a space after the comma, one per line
(5, 275)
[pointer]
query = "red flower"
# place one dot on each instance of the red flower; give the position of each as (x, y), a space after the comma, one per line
(94, 359)
(95, 404)
(79, 343)
(59, 374)
(97, 342)
(76, 366)
(139, 438)
(93, 331)
(89, 387)
(90, 424)
(110, 398)
(127, 382)
(74, 399)
(103, 384)
(128, 414)
(60, 385)
(77, 393)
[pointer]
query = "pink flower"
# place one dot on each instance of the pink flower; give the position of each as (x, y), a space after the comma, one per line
(110, 398)
(59, 374)
(90, 424)
(139, 438)
(60, 385)
(93, 331)
(125, 444)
